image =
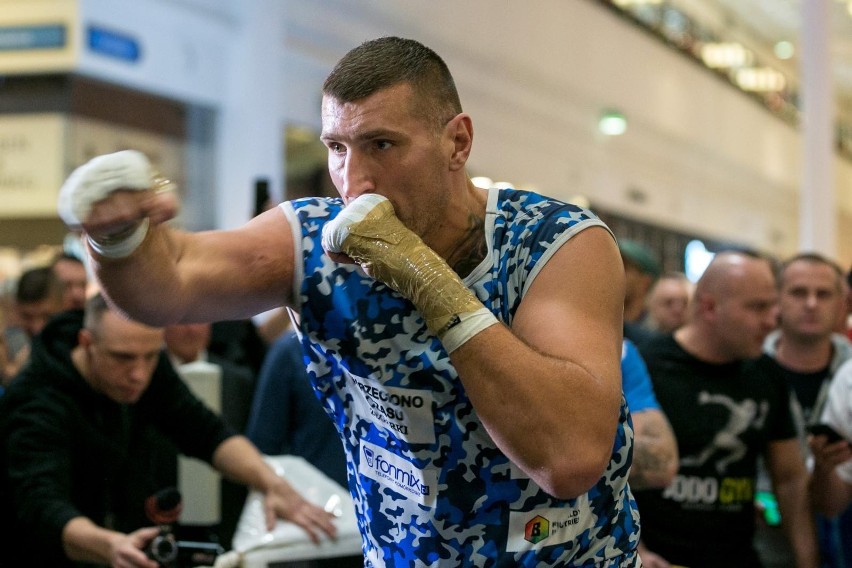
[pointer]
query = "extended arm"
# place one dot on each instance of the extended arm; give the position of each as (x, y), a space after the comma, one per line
(790, 484)
(159, 275)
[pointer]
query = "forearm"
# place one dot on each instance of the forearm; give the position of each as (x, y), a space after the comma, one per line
(830, 495)
(797, 520)
(146, 283)
(240, 461)
(516, 391)
(655, 454)
(84, 541)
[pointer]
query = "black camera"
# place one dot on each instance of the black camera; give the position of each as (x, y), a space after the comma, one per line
(170, 552)
(164, 508)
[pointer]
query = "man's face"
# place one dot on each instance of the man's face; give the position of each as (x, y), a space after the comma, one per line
(811, 300)
(72, 275)
(121, 357)
(667, 303)
(747, 310)
(379, 145)
(636, 285)
(188, 340)
(33, 316)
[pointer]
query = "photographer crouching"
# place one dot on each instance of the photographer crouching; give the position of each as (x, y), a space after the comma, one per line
(82, 432)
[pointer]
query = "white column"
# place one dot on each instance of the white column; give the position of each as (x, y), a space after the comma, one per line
(818, 208)
(250, 140)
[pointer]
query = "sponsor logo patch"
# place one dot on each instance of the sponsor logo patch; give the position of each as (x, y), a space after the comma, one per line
(398, 474)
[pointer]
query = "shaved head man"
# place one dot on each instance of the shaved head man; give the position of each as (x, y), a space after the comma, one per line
(735, 308)
(725, 416)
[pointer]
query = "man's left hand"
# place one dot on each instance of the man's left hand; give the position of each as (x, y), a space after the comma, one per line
(282, 501)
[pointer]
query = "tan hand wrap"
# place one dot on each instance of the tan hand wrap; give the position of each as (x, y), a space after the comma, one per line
(369, 232)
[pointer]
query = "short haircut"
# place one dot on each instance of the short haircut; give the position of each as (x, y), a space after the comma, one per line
(380, 63)
(69, 257)
(96, 307)
(815, 258)
(37, 285)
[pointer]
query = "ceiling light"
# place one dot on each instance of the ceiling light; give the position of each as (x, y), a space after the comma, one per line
(784, 50)
(612, 122)
(760, 79)
(725, 55)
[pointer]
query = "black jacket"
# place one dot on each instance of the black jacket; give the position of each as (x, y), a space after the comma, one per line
(67, 451)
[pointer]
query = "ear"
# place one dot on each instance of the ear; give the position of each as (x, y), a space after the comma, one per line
(460, 132)
(707, 305)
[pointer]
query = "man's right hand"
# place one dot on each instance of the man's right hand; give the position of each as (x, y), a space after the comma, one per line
(111, 195)
(128, 551)
(123, 209)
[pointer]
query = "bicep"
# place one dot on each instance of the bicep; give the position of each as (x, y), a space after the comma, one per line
(238, 273)
(573, 309)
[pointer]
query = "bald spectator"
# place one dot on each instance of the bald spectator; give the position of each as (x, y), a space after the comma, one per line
(72, 275)
(79, 432)
(667, 302)
(724, 415)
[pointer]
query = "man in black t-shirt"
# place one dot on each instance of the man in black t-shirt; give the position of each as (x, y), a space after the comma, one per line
(724, 416)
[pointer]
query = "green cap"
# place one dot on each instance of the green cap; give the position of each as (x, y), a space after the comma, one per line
(640, 256)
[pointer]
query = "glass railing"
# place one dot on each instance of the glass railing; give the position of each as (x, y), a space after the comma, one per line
(728, 58)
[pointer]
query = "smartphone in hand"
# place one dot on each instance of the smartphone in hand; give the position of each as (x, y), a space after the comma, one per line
(827, 431)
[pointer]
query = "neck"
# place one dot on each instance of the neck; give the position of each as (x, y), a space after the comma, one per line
(699, 343)
(804, 356)
(468, 247)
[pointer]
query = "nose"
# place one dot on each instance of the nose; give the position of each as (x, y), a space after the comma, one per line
(771, 321)
(811, 300)
(138, 371)
(356, 179)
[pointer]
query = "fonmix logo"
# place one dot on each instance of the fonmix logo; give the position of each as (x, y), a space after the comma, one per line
(399, 474)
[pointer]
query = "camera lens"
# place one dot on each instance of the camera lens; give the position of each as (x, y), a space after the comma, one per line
(163, 549)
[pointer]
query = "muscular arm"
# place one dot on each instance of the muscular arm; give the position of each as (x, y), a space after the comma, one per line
(790, 484)
(548, 390)
(208, 276)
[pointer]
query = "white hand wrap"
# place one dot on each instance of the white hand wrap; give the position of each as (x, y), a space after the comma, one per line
(369, 232)
(99, 177)
(120, 246)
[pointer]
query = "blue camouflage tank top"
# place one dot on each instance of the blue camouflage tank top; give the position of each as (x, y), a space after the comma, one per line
(430, 486)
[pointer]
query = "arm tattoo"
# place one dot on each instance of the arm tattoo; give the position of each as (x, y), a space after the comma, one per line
(654, 454)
